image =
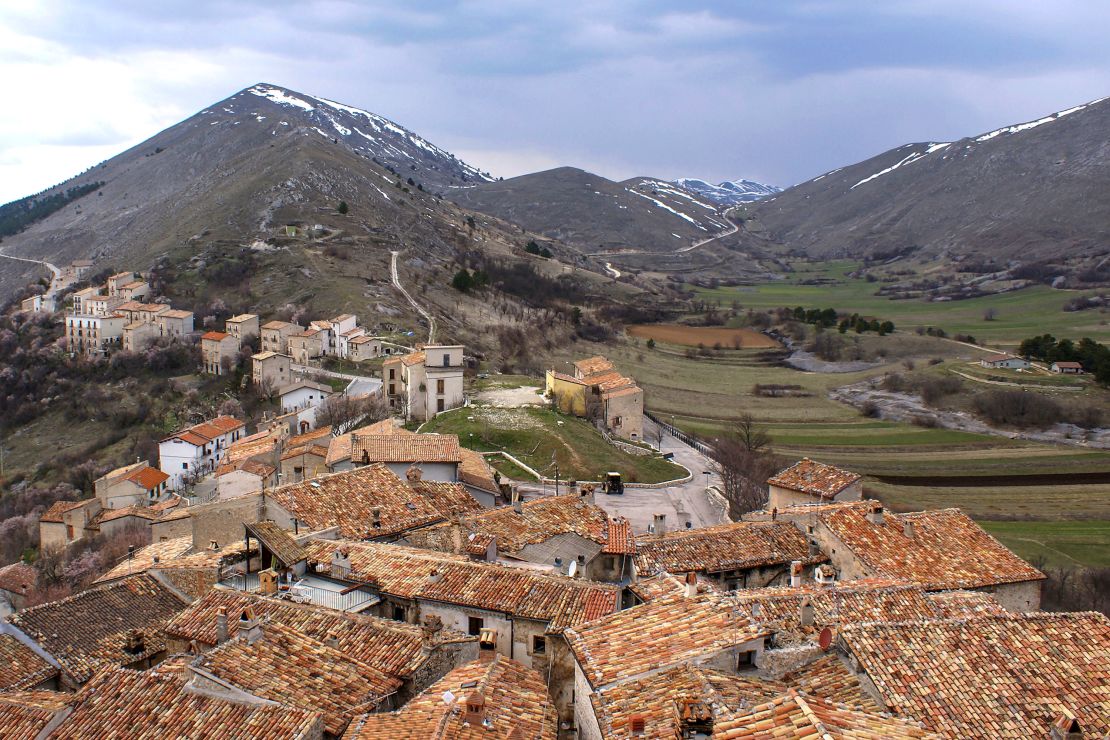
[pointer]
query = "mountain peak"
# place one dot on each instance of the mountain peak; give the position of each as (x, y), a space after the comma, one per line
(729, 192)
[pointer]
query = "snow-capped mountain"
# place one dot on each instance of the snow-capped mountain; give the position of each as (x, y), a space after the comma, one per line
(728, 193)
(367, 133)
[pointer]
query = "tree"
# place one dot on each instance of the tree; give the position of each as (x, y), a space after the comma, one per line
(462, 281)
(532, 248)
(343, 208)
(744, 463)
(344, 413)
(650, 343)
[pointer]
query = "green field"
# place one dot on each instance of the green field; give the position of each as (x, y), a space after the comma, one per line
(1018, 314)
(1059, 544)
(541, 438)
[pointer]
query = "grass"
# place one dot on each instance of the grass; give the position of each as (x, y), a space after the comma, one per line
(541, 438)
(509, 469)
(1018, 314)
(1059, 544)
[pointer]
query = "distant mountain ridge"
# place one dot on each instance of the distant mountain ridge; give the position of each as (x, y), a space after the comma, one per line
(1029, 191)
(730, 192)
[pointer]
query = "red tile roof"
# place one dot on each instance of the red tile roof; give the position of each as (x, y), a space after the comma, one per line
(25, 714)
(58, 508)
(405, 448)
(214, 336)
(795, 715)
(732, 546)
(515, 700)
(812, 477)
(134, 705)
(147, 478)
(18, 578)
(1000, 677)
(21, 667)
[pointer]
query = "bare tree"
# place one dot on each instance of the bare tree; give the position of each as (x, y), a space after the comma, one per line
(744, 463)
(344, 413)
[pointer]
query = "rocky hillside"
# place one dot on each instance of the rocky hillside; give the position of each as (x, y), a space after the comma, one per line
(1029, 191)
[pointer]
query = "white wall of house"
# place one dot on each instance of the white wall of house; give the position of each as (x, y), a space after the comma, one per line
(302, 398)
(440, 472)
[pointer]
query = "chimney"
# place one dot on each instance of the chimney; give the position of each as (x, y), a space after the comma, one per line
(134, 643)
(637, 723)
(660, 525)
(332, 640)
(875, 514)
(586, 493)
(414, 474)
(249, 628)
(774, 513)
(805, 612)
(796, 573)
(1066, 727)
(517, 506)
(221, 625)
(213, 545)
(429, 633)
(558, 568)
(340, 564)
(695, 718)
(907, 529)
(434, 577)
(691, 585)
(376, 518)
(475, 709)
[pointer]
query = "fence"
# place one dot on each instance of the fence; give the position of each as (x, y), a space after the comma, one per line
(677, 433)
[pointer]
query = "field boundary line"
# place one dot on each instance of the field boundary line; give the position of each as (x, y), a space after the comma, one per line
(1015, 385)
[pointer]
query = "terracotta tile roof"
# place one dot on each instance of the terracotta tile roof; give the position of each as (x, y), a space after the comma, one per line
(340, 447)
(475, 471)
(622, 392)
(176, 554)
(295, 670)
(357, 331)
(593, 365)
(659, 698)
(450, 499)
(323, 433)
(260, 444)
(250, 465)
(279, 325)
(214, 336)
(196, 440)
(413, 358)
(829, 678)
(664, 584)
(322, 387)
(147, 478)
(244, 317)
(834, 605)
(349, 499)
(143, 558)
(110, 515)
(398, 448)
(732, 546)
(962, 604)
(119, 704)
(363, 339)
(20, 666)
(203, 433)
(391, 647)
(54, 513)
(1000, 677)
(566, 378)
(619, 539)
(18, 578)
(1069, 365)
(538, 521)
(515, 701)
(795, 715)
(405, 571)
(945, 549)
(277, 541)
(661, 633)
(175, 314)
(25, 714)
(87, 631)
(131, 306)
(812, 477)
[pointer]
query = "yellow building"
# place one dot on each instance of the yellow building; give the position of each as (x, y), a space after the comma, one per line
(569, 394)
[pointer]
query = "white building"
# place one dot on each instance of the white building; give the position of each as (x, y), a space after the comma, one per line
(424, 383)
(90, 335)
(191, 453)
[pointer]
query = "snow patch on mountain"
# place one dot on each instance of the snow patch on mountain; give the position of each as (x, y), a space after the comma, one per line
(728, 193)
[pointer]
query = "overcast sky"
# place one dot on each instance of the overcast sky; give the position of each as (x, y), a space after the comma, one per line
(772, 91)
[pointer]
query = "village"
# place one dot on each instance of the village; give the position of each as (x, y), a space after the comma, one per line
(332, 570)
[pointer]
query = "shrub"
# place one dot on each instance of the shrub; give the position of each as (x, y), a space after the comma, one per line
(1018, 409)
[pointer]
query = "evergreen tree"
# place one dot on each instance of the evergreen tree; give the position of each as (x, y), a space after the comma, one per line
(343, 208)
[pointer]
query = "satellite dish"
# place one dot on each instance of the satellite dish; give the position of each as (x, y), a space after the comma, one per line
(825, 639)
(573, 570)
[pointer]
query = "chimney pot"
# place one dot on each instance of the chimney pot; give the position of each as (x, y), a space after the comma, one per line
(796, 573)
(875, 515)
(434, 577)
(660, 524)
(805, 612)
(518, 507)
(221, 625)
(691, 589)
(332, 640)
(907, 529)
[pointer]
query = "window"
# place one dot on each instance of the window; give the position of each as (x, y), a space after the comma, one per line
(474, 626)
(399, 613)
(69, 531)
(184, 466)
(745, 661)
(539, 645)
(440, 405)
(440, 385)
(392, 374)
(447, 360)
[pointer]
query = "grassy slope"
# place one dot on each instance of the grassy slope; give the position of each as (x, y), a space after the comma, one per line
(1061, 544)
(536, 437)
(1020, 314)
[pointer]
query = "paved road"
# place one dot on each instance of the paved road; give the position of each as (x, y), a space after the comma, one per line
(695, 245)
(362, 384)
(397, 284)
(682, 503)
(56, 283)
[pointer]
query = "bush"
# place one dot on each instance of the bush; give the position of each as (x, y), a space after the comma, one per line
(934, 390)
(1018, 409)
(870, 409)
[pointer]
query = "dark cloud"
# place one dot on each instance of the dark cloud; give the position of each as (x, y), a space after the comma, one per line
(717, 89)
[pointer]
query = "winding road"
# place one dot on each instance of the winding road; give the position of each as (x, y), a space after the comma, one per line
(729, 232)
(56, 273)
(420, 309)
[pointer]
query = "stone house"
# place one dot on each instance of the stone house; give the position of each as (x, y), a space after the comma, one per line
(138, 335)
(598, 391)
(808, 481)
(270, 369)
(425, 383)
(197, 450)
(337, 326)
(343, 341)
(65, 521)
(938, 550)
(120, 279)
(100, 305)
(566, 392)
(363, 347)
(38, 304)
(80, 299)
(175, 323)
(303, 394)
(308, 345)
(137, 484)
(517, 613)
(243, 327)
(215, 348)
(134, 291)
(305, 455)
(437, 455)
(276, 334)
(17, 581)
(93, 335)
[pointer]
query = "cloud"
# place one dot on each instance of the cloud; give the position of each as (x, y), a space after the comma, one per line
(708, 88)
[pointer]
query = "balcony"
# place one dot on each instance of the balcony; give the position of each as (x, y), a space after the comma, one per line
(310, 590)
